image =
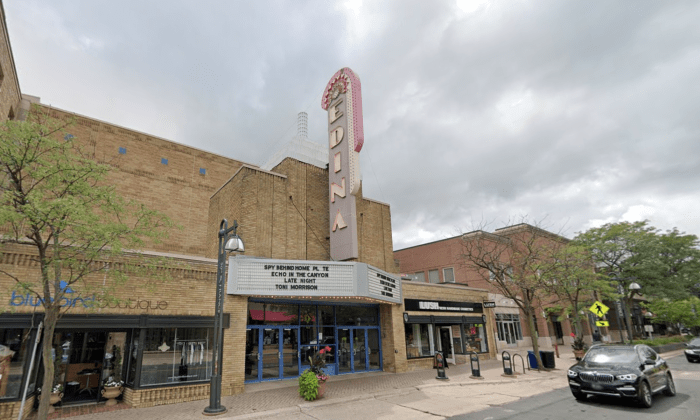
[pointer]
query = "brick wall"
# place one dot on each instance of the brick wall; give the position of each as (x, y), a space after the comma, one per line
(9, 85)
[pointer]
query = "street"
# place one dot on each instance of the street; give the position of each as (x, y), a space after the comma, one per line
(560, 404)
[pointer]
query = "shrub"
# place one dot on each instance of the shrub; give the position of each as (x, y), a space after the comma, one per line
(308, 385)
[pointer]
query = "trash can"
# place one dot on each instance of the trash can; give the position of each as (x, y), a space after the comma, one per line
(532, 359)
(547, 359)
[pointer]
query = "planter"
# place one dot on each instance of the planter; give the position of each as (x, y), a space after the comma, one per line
(111, 393)
(579, 354)
(321, 388)
(54, 399)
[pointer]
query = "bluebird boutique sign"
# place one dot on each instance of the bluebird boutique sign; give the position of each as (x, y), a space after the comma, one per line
(69, 301)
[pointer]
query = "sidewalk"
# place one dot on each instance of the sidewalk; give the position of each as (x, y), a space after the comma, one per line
(371, 395)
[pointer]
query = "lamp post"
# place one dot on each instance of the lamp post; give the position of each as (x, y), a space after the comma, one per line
(227, 243)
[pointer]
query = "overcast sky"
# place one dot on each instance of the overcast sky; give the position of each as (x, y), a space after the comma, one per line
(571, 113)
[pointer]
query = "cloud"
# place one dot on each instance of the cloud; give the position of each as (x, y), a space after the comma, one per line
(577, 113)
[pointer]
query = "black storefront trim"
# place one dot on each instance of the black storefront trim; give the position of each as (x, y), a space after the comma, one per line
(99, 321)
(452, 320)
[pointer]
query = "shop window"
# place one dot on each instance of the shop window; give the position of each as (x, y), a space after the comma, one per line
(357, 315)
(272, 314)
(13, 354)
(419, 340)
(448, 274)
(176, 356)
(475, 338)
(434, 276)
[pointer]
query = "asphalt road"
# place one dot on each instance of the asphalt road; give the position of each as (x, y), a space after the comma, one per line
(560, 404)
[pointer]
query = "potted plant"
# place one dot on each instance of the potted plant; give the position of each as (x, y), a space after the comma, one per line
(312, 382)
(113, 388)
(578, 346)
(56, 397)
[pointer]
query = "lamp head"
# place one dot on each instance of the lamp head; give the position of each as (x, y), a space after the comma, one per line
(635, 286)
(234, 243)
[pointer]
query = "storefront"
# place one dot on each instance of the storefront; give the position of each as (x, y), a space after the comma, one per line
(455, 327)
(281, 336)
(297, 308)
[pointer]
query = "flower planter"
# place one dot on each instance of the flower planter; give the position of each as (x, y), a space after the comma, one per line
(321, 388)
(579, 354)
(54, 399)
(111, 393)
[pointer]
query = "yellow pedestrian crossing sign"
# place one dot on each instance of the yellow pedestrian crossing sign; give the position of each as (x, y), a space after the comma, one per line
(602, 323)
(599, 309)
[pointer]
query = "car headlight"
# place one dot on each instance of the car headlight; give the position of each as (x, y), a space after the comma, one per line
(571, 374)
(628, 377)
(689, 351)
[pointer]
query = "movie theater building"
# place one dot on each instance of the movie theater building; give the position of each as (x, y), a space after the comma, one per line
(318, 271)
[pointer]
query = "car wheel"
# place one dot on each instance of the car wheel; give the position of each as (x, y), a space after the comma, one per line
(579, 395)
(644, 395)
(670, 386)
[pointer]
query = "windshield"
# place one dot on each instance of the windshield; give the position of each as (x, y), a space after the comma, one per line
(611, 355)
(695, 342)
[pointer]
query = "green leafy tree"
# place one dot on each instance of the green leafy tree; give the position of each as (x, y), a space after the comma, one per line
(677, 312)
(679, 257)
(569, 274)
(664, 265)
(54, 199)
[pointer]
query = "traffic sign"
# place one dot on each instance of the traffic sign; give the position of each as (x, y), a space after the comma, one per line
(602, 323)
(599, 309)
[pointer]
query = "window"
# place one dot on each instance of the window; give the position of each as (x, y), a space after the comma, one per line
(122, 150)
(420, 276)
(434, 276)
(448, 274)
(164, 161)
(13, 353)
(475, 337)
(202, 171)
(176, 355)
(507, 273)
(419, 340)
(508, 326)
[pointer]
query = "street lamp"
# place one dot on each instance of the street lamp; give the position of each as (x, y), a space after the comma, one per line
(226, 244)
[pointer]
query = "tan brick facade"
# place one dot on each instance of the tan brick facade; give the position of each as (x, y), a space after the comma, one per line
(9, 85)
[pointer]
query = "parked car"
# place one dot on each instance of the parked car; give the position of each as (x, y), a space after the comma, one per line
(621, 371)
(692, 352)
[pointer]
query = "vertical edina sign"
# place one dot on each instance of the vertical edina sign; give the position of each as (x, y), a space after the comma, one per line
(342, 99)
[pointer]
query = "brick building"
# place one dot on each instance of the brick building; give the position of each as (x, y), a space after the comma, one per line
(287, 296)
(444, 262)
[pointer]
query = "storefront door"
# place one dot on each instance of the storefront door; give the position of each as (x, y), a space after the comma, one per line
(358, 349)
(272, 353)
(446, 344)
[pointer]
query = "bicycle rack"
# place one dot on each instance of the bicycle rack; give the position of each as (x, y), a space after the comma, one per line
(522, 360)
(507, 370)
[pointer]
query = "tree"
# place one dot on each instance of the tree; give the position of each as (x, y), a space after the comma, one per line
(509, 261)
(678, 312)
(664, 265)
(679, 256)
(54, 199)
(569, 274)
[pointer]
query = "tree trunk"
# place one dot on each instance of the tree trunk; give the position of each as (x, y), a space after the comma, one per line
(533, 332)
(50, 319)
